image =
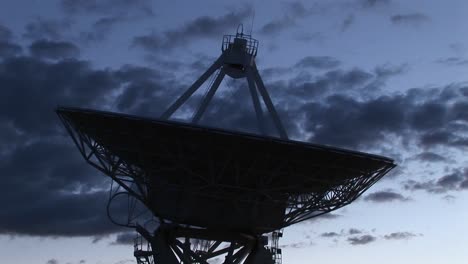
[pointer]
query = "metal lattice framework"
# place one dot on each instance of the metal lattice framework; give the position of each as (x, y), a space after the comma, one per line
(278, 182)
(215, 192)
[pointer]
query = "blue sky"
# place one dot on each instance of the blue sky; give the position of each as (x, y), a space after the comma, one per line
(382, 76)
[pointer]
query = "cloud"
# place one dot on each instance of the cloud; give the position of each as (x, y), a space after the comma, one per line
(293, 11)
(453, 61)
(318, 62)
(353, 236)
(52, 261)
(5, 33)
(54, 49)
(138, 7)
(201, 27)
(456, 181)
(102, 27)
(430, 157)
(329, 234)
(431, 121)
(42, 170)
(45, 175)
(297, 245)
(361, 240)
(400, 236)
(309, 37)
(385, 196)
(42, 28)
(458, 48)
(8, 49)
(354, 231)
(414, 19)
(374, 3)
(347, 22)
(124, 239)
(388, 70)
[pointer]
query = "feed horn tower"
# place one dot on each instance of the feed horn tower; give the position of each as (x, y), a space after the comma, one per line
(196, 194)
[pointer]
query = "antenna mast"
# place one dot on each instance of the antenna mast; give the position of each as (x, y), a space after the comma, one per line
(253, 17)
(237, 60)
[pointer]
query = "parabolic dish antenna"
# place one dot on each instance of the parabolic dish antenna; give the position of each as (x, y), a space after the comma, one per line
(216, 192)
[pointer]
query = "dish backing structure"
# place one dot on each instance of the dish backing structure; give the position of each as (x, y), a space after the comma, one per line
(216, 193)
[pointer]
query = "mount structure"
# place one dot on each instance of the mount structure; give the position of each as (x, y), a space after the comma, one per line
(197, 194)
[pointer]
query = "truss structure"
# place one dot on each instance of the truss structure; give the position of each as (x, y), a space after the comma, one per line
(174, 244)
(314, 179)
(216, 193)
(238, 61)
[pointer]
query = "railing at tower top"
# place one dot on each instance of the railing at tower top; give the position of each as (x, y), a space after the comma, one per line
(246, 42)
(142, 250)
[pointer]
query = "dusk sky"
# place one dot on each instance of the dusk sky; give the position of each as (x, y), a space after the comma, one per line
(386, 77)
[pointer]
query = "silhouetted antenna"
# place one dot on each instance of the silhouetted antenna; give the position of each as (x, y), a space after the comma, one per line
(253, 17)
(196, 193)
(240, 29)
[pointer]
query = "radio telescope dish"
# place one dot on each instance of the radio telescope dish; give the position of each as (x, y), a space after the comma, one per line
(216, 192)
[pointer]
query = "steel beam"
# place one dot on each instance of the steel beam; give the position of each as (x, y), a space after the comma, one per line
(185, 96)
(212, 90)
(256, 101)
(268, 103)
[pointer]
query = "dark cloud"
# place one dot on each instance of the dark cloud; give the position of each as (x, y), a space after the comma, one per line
(8, 49)
(430, 157)
(400, 236)
(298, 245)
(437, 137)
(52, 261)
(456, 181)
(306, 86)
(361, 120)
(435, 110)
(47, 85)
(409, 115)
(139, 7)
(102, 27)
(347, 22)
(5, 33)
(47, 177)
(329, 110)
(201, 27)
(125, 239)
(361, 240)
(329, 234)
(42, 28)
(385, 196)
(55, 192)
(354, 231)
(453, 61)
(374, 3)
(309, 37)
(388, 70)
(409, 19)
(292, 12)
(318, 62)
(53, 49)
(353, 237)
